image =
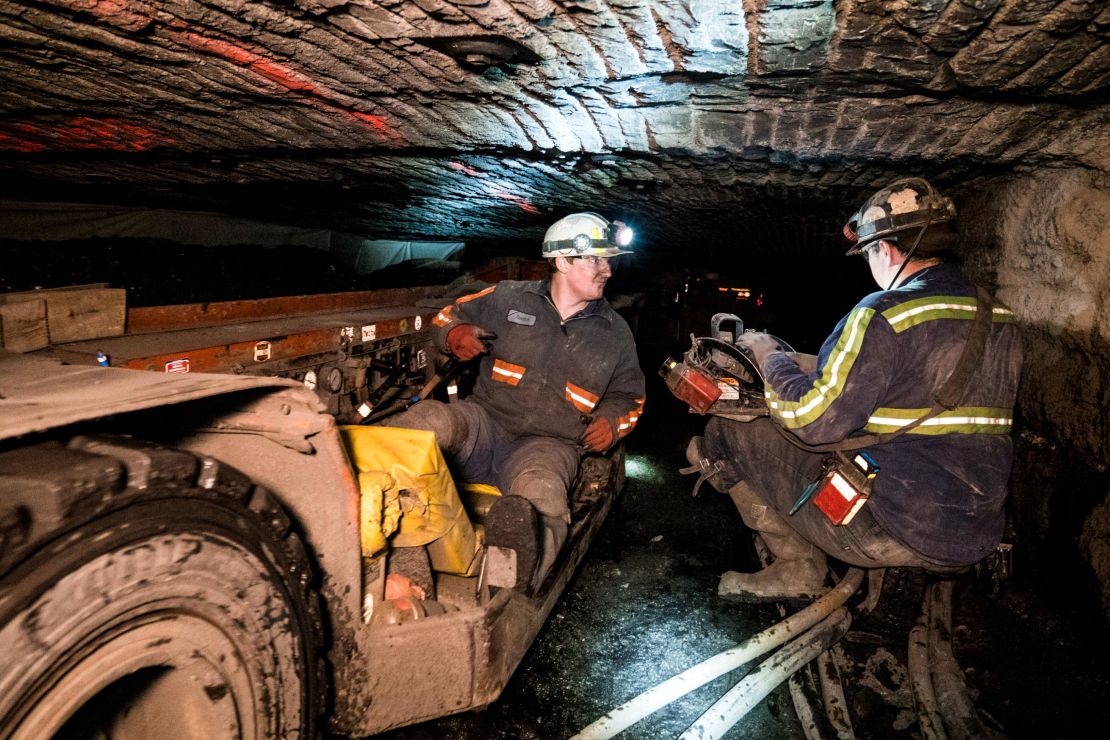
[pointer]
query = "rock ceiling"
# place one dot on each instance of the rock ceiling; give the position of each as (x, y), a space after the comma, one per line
(485, 119)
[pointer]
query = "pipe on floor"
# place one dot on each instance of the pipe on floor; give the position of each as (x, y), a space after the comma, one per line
(924, 698)
(961, 720)
(678, 686)
(832, 692)
(739, 700)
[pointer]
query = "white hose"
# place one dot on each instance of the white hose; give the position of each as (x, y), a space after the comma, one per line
(678, 686)
(738, 701)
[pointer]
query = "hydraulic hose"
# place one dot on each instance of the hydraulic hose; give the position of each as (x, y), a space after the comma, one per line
(738, 701)
(678, 686)
(961, 720)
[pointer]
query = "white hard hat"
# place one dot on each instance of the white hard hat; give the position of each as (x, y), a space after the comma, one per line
(581, 234)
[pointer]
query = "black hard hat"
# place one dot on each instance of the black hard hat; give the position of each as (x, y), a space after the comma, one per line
(904, 204)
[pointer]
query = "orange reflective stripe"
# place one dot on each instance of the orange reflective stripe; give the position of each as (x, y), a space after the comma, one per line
(472, 296)
(581, 398)
(444, 317)
(507, 372)
(627, 423)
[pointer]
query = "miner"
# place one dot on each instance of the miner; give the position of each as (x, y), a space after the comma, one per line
(894, 448)
(558, 378)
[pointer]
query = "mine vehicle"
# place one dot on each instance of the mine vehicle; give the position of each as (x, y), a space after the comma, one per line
(183, 534)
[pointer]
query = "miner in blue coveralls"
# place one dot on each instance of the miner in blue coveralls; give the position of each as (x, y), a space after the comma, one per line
(936, 501)
(558, 377)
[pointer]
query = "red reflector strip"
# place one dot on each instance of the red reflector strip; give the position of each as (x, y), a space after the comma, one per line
(507, 372)
(581, 398)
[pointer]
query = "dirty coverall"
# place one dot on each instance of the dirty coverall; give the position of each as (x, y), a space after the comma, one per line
(937, 501)
(539, 385)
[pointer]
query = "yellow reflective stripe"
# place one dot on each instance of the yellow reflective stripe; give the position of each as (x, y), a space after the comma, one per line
(960, 420)
(920, 310)
(834, 374)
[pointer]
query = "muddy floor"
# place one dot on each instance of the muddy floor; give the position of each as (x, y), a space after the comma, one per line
(643, 607)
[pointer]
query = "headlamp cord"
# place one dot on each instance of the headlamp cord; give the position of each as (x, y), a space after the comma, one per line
(909, 254)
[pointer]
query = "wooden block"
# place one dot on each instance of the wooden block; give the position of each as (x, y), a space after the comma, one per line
(23, 326)
(73, 315)
(44, 292)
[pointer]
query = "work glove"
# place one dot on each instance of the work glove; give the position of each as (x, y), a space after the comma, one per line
(599, 435)
(465, 341)
(759, 344)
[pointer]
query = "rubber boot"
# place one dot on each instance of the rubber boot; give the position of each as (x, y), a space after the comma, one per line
(513, 523)
(554, 530)
(798, 570)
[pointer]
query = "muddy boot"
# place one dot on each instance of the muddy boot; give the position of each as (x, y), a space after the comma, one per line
(783, 580)
(554, 537)
(798, 571)
(514, 524)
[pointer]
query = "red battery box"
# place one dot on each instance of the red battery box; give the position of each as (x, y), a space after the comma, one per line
(845, 487)
(690, 385)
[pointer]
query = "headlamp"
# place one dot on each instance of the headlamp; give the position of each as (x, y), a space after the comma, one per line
(620, 234)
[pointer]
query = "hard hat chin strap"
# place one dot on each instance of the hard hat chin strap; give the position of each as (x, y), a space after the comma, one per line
(909, 254)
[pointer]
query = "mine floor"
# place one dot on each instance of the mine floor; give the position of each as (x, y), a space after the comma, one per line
(643, 608)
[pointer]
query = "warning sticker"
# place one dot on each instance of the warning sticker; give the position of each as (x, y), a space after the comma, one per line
(418, 322)
(347, 334)
(178, 366)
(730, 389)
(262, 351)
(369, 332)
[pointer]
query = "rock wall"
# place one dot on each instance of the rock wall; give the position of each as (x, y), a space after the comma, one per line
(1044, 241)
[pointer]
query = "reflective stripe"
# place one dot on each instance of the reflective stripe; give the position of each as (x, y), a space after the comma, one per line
(472, 296)
(447, 315)
(960, 420)
(443, 318)
(581, 398)
(507, 372)
(829, 386)
(912, 313)
(627, 423)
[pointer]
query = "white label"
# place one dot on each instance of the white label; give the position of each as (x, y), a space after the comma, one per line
(730, 390)
(262, 351)
(347, 334)
(421, 359)
(418, 322)
(364, 410)
(310, 380)
(369, 332)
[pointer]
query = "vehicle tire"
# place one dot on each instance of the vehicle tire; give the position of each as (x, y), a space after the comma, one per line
(148, 592)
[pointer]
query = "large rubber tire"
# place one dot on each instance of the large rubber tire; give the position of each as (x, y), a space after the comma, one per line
(147, 592)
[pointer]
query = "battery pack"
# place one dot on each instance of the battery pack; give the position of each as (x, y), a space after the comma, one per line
(845, 487)
(838, 499)
(690, 385)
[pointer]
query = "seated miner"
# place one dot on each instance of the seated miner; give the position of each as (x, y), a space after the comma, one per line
(932, 474)
(558, 377)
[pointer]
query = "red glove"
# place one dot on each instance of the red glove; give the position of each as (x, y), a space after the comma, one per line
(599, 435)
(464, 343)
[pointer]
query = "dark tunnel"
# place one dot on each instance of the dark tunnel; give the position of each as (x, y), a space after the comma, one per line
(244, 151)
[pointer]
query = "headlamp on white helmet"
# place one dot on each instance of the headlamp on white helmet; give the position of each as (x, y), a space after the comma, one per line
(904, 204)
(582, 234)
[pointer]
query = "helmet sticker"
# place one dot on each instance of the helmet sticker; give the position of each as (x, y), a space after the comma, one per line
(903, 201)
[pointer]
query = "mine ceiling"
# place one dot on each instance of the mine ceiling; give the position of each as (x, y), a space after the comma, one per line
(703, 121)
